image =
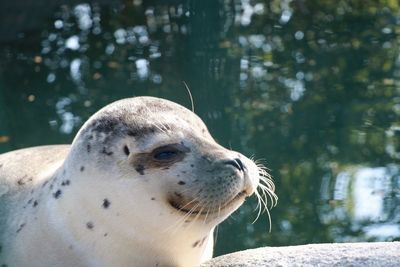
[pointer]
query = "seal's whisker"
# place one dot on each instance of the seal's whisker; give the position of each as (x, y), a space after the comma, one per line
(267, 179)
(269, 220)
(270, 193)
(263, 167)
(216, 234)
(217, 227)
(207, 213)
(160, 127)
(178, 224)
(259, 206)
(263, 199)
(190, 95)
(189, 203)
(195, 210)
(267, 194)
(267, 185)
(211, 210)
(199, 213)
(157, 122)
(264, 172)
(190, 190)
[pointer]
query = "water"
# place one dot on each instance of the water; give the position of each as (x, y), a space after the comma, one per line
(310, 88)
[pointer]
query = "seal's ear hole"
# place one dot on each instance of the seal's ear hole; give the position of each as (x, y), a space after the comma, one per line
(126, 150)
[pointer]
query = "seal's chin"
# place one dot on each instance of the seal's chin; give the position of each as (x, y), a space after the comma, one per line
(195, 208)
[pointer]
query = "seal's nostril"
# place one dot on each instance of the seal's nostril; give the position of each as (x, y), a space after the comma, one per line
(237, 163)
(240, 164)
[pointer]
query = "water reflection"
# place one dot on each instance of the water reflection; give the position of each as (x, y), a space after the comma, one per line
(310, 87)
(367, 198)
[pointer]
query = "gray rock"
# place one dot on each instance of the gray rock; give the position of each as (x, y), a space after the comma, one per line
(347, 254)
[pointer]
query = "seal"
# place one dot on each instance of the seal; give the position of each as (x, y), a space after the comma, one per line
(143, 184)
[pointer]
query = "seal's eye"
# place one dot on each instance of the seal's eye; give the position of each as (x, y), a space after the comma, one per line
(166, 153)
(169, 153)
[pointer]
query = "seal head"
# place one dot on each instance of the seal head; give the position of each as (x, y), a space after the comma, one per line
(143, 182)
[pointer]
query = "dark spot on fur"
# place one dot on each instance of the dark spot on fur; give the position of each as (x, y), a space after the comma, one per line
(1, 249)
(89, 225)
(108, 153)
(106, 203)
(1, 165)
(44, 184)
(70, 247)
(191, 165)
(82, 168)
(35, 203)
(24, 180)
(88, 148)
(4, 265)
(131, 133)
(57, 194)
(66, 182)
(153, 198)
(64, 172)
(20, 227)
(30, 201)
(177, 194)
(90, 137)
(183, 172)
(196, 243)
(140, 169)
(51, 186)
(106, 234)
(126, 150)
(181, 183)
(106, 124)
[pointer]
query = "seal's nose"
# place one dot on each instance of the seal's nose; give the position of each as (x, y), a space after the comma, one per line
(237, 163)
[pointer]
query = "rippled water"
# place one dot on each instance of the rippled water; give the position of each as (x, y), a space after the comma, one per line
(310, 87)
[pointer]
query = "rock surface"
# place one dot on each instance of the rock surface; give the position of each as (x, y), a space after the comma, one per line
(344, 254)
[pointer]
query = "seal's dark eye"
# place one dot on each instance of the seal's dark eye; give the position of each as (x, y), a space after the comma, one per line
(169, 153)
(166, 155)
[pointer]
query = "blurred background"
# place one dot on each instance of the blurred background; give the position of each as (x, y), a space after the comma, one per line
(310, 87)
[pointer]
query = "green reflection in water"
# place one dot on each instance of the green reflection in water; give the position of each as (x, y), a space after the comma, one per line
(310, 87)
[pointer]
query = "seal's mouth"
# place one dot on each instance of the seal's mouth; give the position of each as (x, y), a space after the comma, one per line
(194, 208)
